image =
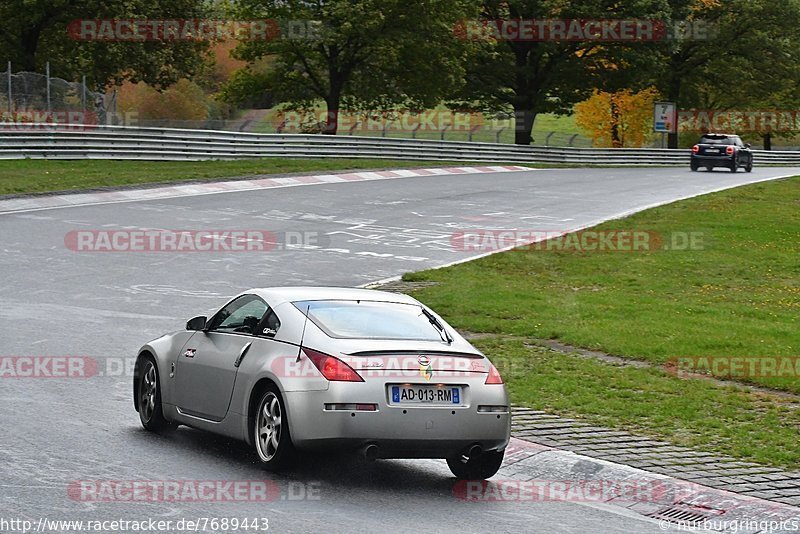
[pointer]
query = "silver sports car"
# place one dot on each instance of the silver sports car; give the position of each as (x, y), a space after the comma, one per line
(305, 368)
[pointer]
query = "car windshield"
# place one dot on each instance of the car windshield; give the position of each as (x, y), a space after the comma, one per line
(362, 319)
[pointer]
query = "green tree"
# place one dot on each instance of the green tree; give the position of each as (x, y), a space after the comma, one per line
(543, 76)
(36, 31)
(357, 54)
(744, 56)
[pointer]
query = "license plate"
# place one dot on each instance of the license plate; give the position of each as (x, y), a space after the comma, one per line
(425, 394)
(712, 151)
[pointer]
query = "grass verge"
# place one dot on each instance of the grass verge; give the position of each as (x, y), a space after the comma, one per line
(39, 176)
(735, 295)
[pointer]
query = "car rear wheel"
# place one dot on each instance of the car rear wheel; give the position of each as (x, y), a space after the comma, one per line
(481, 467)
(693, 167)
(149, 397)
(271, 431)
(749, 167)
(733, 167)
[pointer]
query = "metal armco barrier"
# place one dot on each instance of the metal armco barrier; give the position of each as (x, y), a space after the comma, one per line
(19, 141)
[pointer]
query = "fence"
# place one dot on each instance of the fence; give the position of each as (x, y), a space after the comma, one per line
(49, 97)
(119, 142)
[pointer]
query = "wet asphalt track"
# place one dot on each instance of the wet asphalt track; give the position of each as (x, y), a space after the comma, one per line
(54, 302)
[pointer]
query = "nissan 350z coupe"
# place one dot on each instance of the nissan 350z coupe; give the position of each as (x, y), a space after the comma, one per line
(288, 369)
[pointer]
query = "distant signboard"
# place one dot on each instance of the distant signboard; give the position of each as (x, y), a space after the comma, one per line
(665, 117)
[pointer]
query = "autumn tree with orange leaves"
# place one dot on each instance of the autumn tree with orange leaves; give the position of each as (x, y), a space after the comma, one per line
(620, 119)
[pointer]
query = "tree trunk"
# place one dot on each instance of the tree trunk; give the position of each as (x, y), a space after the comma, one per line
(523, 124)
(767, 141)
(616, 140)
(332, 120)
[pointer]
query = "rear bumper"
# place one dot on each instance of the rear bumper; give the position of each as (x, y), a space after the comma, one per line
(399, 432)
(715, 161)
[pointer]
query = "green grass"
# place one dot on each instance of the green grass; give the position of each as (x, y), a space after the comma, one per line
(563, 128)
(737, 295)
(37, 176)
(758, 427)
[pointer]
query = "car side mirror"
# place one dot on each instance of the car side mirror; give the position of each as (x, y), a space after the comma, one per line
(747, 145)
(196, 323)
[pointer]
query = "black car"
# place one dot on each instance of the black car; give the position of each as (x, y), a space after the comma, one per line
(721, 150)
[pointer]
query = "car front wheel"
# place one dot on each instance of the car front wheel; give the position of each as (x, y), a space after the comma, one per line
(149, 397)
(481, 467)
(271, 431)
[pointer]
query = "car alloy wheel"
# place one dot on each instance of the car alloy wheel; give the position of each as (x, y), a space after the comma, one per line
(271, 432)
(149, 397)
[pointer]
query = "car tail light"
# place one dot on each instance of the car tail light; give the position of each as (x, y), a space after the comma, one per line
(332, 368)
(494, 377)
(729, 151)
(695, 149)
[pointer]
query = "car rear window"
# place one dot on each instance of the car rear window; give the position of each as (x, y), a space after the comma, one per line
(362, 319)
(717, 141)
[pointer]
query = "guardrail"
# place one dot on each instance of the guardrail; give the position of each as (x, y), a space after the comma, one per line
(167, 144)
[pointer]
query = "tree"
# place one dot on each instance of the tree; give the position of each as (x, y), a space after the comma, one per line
(357, 54)
(747, 57)
(544, 76)
(621, 119)
(36, 32)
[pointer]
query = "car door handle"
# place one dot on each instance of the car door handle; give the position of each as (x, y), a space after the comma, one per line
(242, 354)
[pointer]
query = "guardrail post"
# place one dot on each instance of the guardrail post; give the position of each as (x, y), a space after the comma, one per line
(497, 135)
(414, 131)
(547, 139)
(444, 130)
(572, 139)
(353, 127)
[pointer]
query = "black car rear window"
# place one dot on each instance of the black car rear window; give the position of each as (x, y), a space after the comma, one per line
(717, 141)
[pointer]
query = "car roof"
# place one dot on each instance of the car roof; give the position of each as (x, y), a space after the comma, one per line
(718, 135)
(279, 295)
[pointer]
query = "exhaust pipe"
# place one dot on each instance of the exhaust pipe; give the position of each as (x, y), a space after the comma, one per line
(471, 453)
(369, 452)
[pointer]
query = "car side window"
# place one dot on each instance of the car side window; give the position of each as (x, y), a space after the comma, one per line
(270, 325)
(242, 316)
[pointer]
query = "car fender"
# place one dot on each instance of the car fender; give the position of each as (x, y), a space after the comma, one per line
(164, 349)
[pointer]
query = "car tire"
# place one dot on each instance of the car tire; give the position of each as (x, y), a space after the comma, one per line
(148, 395)
(271, 438)
(749, 167)
(693, 167)
(484, 466)
(733, 167)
